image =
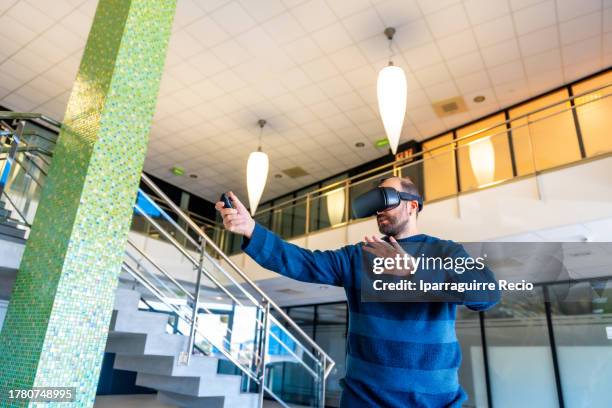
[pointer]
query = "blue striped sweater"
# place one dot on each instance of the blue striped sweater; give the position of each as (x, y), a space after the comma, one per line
(398, 354)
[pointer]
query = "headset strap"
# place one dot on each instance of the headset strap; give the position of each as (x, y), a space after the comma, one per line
(411, 197)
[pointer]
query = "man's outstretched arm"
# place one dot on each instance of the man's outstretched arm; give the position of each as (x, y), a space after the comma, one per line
(271, 252)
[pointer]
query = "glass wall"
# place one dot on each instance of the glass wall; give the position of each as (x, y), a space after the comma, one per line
(483, 158)
(544, 139)
(593, 111)
(583, 340)
(516, 366)
(439, 169)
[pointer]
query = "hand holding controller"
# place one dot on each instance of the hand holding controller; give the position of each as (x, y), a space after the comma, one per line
(236, 217)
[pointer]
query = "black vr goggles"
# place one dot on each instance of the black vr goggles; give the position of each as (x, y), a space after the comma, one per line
(381, 199)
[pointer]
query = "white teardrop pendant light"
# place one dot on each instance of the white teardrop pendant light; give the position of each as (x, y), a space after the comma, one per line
(392, 94)
(257, 173)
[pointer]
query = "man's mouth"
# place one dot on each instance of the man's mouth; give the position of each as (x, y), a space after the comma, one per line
(382, 219)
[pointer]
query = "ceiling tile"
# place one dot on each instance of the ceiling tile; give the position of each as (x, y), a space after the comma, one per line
(184, 44)
(457, 44)
(422, 56)
(25, 12)
(348, 58)
(495, 31)
(582, 51)
(303, 50)
(364, 24)
(360, 77)
(568, 9)
(465, 64)
(332, 38)
(233, 18)
(433, 74)
(441, 91)
(580, 28)
(207, 32)
(535, 17)
(344, 8)
(480, 11)
(313, 14)
(231, 53)
(294, 79)
(395, 13)
(335, 86)
(512, 71)
(447, 21)
(186, 13)
(428, 6)
(539, 41)
(284, 28)
(262, 10)
(500, 53)
(547, 61)
(412, 35)
(319, 69)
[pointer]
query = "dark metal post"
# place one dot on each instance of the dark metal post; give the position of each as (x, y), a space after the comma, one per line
(194, 314)
(264, 350)
(6, 172)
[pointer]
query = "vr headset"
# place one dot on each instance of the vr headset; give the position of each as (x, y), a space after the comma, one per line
(381, 199)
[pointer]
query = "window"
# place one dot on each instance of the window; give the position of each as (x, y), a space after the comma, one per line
(483, 158)
(593, 110)
(439, 167)
(544, 139)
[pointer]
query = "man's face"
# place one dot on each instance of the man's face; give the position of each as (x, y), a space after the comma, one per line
(394, 221)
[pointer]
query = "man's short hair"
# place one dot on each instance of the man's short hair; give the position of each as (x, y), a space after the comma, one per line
(407, 184)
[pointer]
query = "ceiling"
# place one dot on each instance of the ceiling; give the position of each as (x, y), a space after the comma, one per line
(309, 68)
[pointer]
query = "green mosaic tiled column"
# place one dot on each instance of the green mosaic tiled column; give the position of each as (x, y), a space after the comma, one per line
(57, 321)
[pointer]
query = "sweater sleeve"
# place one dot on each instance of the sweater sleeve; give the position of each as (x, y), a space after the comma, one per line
(329, 267)
(479, 300)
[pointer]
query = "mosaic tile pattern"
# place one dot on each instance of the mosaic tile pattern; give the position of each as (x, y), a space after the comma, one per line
(56, 326)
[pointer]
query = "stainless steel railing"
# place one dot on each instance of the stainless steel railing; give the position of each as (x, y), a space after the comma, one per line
(192, 244)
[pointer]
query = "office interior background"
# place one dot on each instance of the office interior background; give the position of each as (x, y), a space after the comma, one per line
(506, 134)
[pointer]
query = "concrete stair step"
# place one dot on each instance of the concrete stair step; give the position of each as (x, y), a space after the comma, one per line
(12, 231)
(219, 386)
(138, 344)
(136, 321)
(126, 299)
(242, 400)
(167, 365)
(4, 213)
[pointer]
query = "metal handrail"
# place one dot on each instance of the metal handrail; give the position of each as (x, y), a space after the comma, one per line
(327, 362)
(412, 157)
(177, 210)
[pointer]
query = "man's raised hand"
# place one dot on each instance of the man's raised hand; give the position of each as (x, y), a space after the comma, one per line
(237, 219)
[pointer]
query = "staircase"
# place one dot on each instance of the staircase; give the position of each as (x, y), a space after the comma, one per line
(172, 264)
(10, 229)
(141, 344)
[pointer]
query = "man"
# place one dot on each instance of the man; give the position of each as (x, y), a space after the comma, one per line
(398, 354)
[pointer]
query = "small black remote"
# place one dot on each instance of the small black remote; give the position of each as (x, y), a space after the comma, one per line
(226, 201)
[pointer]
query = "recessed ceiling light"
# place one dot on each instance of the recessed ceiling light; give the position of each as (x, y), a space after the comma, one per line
(359, 144)
(479, 99)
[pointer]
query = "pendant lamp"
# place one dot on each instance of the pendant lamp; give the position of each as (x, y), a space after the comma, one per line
(392, 94)
(257, 172)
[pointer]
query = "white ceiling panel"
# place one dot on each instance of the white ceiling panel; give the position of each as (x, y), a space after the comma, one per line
(309, 67)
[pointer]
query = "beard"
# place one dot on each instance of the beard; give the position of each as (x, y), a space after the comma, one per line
(390, 225)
